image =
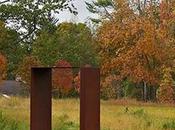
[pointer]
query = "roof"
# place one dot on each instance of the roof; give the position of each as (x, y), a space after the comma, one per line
(11, 87)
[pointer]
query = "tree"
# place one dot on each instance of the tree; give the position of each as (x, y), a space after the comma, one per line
(24, 69)
(77, 82)
(77, 79)
(101, 7)
(46, 48)
(110, 88)
(13, 51)
(132, 48)
(3, 67)
(106, 9)
(63, 77)
(33, 15)
(76, 44)
(166, 92)
(71, 42)
(136, 46)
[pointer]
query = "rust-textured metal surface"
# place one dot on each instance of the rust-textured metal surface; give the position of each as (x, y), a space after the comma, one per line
(41, 83)
(59, 67)
(90, 99)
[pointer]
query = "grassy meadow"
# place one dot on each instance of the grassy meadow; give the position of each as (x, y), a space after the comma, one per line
(14, 115)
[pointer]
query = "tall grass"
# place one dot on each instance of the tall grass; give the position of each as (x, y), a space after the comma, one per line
(14, 115)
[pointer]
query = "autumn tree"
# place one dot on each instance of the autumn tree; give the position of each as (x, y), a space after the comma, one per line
(110, 87)
(24, 69)
(3, 67)
(135, 46)
(166, 91)
(77, 79)
(125, 49)
(77, 82)
(63, 77)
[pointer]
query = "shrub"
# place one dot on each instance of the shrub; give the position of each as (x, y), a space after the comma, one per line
(64, 124)
(110, 88)
(169, 125)
(107, 92)
(139, 112)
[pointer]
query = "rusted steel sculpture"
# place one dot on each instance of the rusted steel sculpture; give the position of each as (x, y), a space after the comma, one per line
(41, 85)
(90, 99)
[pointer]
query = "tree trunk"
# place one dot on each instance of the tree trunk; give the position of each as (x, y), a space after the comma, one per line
(144, 91)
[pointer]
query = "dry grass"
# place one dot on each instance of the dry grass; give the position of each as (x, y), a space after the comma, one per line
(141, 116)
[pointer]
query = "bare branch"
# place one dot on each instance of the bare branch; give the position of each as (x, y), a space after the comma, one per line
(3, 2)
(107, 13)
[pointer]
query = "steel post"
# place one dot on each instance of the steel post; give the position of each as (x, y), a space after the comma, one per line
(41, 84)
(90, 99)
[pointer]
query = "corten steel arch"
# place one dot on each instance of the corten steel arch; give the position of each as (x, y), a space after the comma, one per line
(41, 84)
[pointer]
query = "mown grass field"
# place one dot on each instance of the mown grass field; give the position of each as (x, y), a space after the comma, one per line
(14, 115)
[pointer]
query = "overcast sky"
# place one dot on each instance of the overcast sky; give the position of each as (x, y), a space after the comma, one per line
(83, 13)
(82, 16)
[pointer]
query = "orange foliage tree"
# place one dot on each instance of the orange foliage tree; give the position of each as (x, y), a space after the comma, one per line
(24, 70)
(3, 61)
(63, 77)
(137, 45)
(165, 93)
(77, 79)
(132, 48)
(3, 67)
(77, 82)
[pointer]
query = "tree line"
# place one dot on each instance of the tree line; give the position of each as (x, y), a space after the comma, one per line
(133, 44)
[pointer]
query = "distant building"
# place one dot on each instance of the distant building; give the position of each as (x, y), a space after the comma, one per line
(11, 87)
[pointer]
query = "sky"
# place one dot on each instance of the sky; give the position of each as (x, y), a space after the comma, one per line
(83, 13)
(82, 16)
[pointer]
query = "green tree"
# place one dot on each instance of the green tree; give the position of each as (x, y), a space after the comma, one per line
(46, 48)
(33, 15)
(101, 7)
(13, 51)
(71, 42)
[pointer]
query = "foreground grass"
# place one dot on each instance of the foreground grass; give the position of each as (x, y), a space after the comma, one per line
(14, 115)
